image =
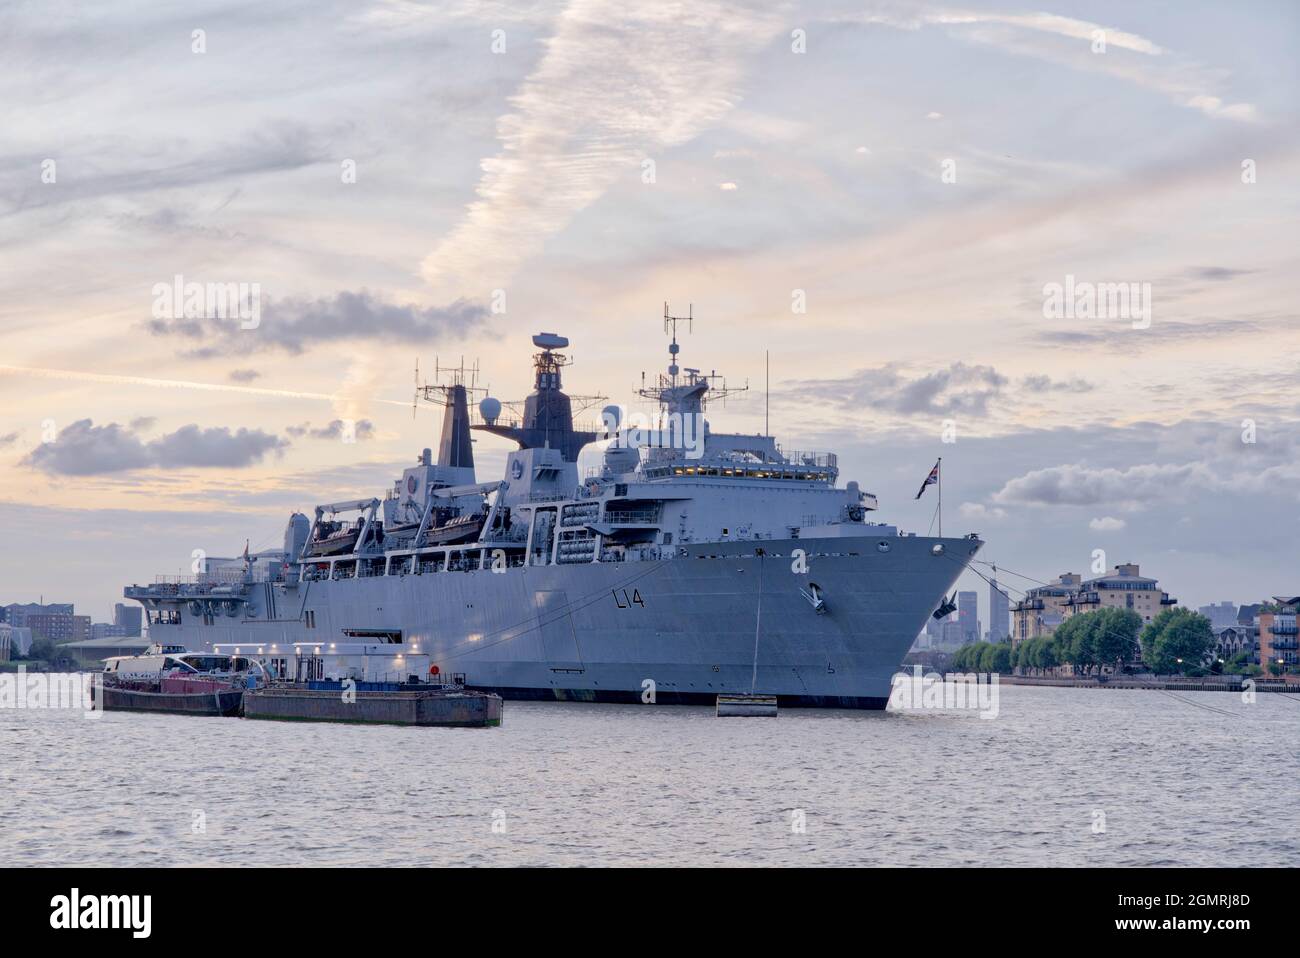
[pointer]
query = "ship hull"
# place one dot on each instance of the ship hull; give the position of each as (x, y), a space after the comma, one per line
(115, 699)
(676, 631)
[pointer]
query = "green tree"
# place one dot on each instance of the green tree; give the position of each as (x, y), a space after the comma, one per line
(42, 648)
(1177, 641)
(1028, 650)
(967, 658)
(1074, 643)
(1114, 636)
(1045, 656)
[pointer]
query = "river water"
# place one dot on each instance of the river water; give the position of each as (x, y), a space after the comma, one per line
(1060, 777)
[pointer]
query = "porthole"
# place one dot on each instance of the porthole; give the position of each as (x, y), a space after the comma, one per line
(937, 549)
(882, 546)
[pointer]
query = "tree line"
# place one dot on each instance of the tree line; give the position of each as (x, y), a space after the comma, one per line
(1177, 641)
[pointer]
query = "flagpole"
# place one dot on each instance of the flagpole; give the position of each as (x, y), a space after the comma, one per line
(939, 466)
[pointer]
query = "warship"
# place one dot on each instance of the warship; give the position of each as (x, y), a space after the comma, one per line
(690, 563)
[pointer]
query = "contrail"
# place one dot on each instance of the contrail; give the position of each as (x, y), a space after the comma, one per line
(175, 384)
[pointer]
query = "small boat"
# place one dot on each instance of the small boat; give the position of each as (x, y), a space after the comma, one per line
(460, 529)
(335, 538)
(173, 679)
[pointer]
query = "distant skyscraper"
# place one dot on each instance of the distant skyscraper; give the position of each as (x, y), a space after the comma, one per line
(934, 627)
(968, 616)
(999, 613)
(129, 617)
(952, 636)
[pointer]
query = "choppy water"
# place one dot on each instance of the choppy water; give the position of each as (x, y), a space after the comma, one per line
(1186, 779)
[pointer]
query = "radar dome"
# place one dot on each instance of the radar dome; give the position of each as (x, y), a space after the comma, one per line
(612, 417)
(550, 341)
(490, 409)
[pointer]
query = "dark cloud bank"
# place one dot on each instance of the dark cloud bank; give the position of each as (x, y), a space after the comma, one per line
(84, 449)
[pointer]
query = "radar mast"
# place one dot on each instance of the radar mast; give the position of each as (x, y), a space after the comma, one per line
(685, 390)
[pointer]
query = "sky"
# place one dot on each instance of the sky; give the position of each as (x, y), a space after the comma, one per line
(881, 196)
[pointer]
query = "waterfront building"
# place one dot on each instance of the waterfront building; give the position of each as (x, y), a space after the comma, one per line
(1278, 632)
(1124, 587)
(1043, 608)
(16, 613)
(1222, 615)
(106, 630)
(1235, 639)
(59, 626)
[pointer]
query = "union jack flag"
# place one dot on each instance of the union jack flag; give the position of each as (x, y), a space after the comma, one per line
(930, 480)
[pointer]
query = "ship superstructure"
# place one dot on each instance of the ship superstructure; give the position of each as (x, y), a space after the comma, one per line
(691, 562)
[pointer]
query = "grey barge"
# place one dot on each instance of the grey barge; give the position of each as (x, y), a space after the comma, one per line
(114, 699)
(374, 703)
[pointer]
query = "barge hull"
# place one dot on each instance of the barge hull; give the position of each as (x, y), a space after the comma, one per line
(175, 703)
(441, 709)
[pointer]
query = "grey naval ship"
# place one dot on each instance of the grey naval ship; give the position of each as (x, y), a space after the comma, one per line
(691, 563)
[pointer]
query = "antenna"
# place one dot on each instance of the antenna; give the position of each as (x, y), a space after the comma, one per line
(673, 348)
(667, 389)
(767, 393)
(415, 396)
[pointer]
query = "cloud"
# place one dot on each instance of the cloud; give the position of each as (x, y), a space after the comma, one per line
(1045, 384)
(214, 447)
(574, 132)
(8, 440)
(84, 449)
(958, 389)
(84, 376)
(1218, 272)
(142, 423)
(1077, 485)
(980, 512)
(1069, 42)
(294, 325)
(270, 149)
(1162, 334)
(360, 430)
(244, 375)
(1106, 524)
